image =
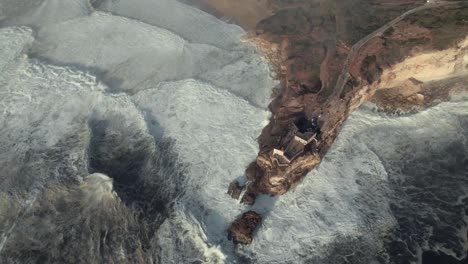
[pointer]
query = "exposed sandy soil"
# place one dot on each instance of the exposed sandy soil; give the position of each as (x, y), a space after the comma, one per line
(436, 73)
(245, 13)
(429, 93)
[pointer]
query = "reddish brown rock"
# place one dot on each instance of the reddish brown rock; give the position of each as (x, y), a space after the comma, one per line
(241, 230)
(331, 56)
(249, 197)
(234, 190)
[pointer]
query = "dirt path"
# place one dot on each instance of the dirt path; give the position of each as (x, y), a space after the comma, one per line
(344, 76)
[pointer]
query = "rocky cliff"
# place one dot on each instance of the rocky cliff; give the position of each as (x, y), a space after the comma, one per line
(331, 56)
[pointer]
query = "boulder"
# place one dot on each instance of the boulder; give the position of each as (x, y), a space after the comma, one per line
(234, 190)
(241, 230)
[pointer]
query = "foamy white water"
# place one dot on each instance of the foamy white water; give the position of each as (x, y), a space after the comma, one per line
(350, 194)
(86, 74)
(102, 88)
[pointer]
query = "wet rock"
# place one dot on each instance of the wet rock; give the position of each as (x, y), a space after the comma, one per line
(234, 190)
(241, 230)
(248, 198)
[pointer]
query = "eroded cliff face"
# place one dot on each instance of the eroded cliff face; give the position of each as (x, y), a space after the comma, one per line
(331, 56)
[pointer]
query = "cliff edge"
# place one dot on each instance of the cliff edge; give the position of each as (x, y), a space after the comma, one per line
(332, 56)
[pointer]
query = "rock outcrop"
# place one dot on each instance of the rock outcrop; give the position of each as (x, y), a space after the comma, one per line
(241, 230)
(235, 190)
(331, 56)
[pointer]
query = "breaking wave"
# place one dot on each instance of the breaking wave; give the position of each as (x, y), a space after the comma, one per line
(123, 123)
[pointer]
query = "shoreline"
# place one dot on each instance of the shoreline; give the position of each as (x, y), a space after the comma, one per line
(299, 98)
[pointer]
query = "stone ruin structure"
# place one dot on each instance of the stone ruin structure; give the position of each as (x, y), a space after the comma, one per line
(300, 134)
(273, 169)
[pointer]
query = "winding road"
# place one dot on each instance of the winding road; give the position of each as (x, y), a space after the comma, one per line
(344, 76)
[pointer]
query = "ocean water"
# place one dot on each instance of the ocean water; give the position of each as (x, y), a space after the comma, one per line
(390, 189)
(123, 123)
